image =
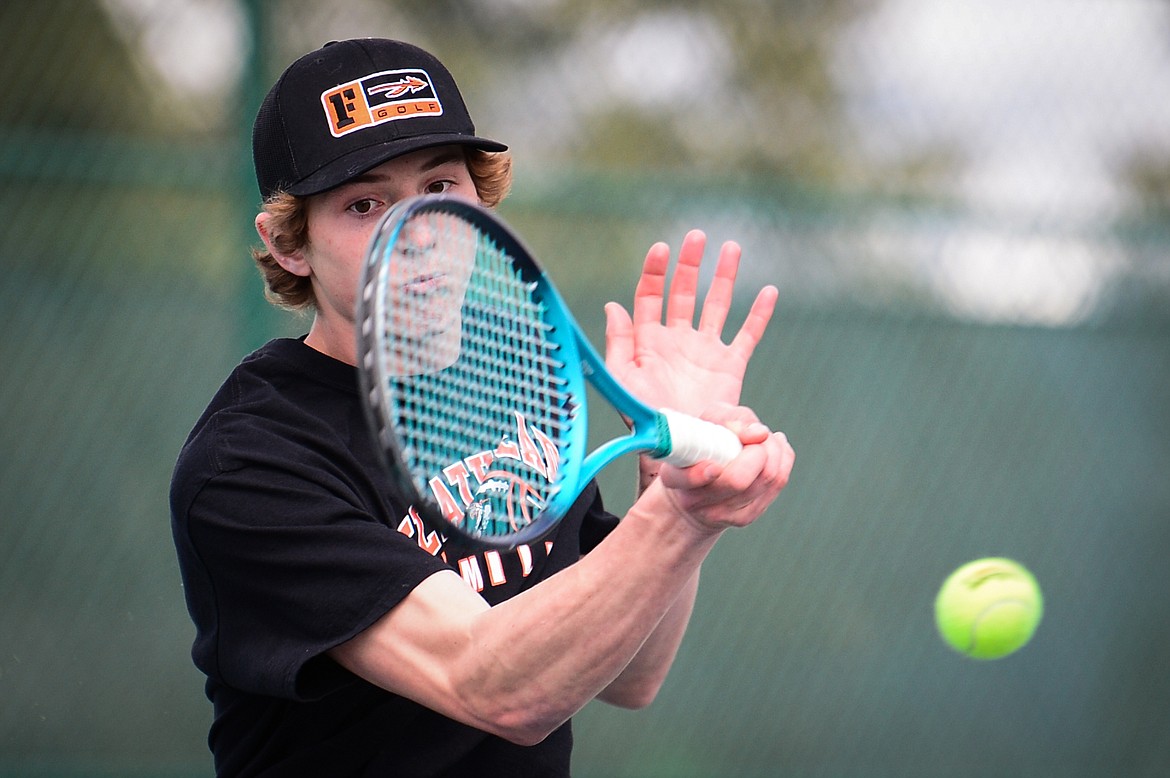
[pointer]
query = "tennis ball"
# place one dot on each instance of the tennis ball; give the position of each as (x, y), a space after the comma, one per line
(988, 608)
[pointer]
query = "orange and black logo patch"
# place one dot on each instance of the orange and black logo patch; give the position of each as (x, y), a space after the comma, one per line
(380, 97)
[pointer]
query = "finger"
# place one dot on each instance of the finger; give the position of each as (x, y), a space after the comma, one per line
(718, 301)
(651, 288)
(754, 326)
(753, 433)
(619, 335)
(694, 477)
(762, 470)
(781, 458)
(787, 459)
(684, 288)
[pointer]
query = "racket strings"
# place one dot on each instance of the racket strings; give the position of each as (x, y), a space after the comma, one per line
(502, 386)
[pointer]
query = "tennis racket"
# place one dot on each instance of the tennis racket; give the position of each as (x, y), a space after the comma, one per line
(474, 376)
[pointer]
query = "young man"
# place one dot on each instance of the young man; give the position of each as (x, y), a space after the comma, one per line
(339, 634)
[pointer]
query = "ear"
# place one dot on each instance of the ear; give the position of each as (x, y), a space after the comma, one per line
(294, 263)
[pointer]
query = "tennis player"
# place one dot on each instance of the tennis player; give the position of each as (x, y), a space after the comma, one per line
(340, 635)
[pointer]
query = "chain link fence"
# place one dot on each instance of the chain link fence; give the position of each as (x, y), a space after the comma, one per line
(966, 207)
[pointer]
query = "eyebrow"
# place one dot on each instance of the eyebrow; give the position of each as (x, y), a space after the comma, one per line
(444, 157)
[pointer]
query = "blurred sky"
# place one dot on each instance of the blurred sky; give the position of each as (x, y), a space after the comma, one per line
(971, 71)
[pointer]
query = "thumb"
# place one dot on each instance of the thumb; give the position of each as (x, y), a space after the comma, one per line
(619, 335)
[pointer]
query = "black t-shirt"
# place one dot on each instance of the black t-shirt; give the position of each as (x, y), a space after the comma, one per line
(291, 541)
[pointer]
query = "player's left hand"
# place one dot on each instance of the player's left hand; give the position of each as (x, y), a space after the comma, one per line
(670, 362)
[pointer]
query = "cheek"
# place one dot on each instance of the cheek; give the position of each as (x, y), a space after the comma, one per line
(346, 249)
(466, 189)
(336, 261)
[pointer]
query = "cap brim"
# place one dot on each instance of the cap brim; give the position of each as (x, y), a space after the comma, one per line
(357, 162)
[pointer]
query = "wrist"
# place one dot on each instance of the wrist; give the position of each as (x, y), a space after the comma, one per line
(648, 468)
(658, 506)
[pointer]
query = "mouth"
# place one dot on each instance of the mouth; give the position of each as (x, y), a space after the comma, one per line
(427, 305)
(424, 285)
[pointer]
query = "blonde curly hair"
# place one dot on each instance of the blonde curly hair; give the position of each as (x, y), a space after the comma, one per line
(288, 228)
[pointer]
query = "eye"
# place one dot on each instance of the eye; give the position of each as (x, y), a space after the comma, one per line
(439, 187)
(364, 206)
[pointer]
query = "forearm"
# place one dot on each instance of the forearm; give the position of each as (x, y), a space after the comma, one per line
(639, 683)
(523, 667)
(619, 613)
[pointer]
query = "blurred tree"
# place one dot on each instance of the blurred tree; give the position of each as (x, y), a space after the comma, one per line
(1148, 173)
(743, 85)
(66, 69)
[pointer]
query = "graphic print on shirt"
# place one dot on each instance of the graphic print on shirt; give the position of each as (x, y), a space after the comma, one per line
(496, 490)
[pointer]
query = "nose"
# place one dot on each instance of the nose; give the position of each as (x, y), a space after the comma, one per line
(419, 235)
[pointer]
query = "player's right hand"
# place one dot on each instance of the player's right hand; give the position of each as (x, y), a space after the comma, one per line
(716, 497)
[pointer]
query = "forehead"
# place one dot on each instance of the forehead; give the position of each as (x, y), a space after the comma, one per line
(411, 164)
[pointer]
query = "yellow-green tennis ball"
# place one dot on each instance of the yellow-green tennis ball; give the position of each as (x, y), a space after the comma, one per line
(988, 608)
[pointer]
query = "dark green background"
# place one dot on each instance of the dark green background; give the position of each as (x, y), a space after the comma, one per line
(925, 438)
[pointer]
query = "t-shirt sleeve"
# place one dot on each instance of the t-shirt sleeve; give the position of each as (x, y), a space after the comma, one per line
(598, 522)
(288, 568)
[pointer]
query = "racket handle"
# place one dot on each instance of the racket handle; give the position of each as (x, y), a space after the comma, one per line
(693, 440)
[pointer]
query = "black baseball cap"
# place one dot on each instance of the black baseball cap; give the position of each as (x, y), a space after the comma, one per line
(350, 106)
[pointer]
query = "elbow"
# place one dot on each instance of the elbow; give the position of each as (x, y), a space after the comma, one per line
(526, 729)
(527, 737)
(523, 719)
(532, 725)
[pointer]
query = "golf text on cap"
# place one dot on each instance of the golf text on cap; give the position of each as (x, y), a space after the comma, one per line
(380, 97)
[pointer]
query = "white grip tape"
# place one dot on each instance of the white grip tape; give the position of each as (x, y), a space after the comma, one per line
(693, 440)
